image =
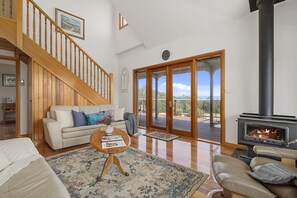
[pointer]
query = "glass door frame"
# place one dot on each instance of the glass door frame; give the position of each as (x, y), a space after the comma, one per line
(169, 98)
(194, 60)
(150, 100)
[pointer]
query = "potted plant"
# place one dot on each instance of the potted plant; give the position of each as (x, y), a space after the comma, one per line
(107, 120)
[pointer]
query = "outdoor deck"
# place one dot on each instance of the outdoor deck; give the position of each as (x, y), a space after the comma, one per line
(205, 131)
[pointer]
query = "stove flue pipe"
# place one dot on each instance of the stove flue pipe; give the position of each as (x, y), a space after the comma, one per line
(266, 56)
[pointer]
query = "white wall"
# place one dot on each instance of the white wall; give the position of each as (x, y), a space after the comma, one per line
(240, 40)
(125, 38)
(99, 18)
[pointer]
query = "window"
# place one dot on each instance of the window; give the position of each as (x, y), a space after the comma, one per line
(122, 22)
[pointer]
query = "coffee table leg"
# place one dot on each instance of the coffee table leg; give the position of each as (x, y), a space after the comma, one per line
(118, 162)
(107, 164)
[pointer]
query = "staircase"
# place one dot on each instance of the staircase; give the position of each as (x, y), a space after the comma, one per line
(62, 72)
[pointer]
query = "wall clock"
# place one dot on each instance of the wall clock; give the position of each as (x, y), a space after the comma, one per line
(166, 55)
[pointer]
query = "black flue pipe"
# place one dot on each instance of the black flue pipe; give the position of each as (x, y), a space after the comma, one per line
(266, 56)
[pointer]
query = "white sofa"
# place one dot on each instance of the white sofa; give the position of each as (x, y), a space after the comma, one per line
(35, 179)
(58, 137)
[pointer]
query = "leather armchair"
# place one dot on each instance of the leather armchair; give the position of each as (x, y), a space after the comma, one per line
(232, 174)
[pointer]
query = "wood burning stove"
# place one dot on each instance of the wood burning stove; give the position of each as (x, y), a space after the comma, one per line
(265, 127)
(278, 131)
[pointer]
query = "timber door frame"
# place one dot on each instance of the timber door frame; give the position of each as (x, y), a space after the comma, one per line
(150, 101)
(17, 66)
(194, 59)
(169, 92)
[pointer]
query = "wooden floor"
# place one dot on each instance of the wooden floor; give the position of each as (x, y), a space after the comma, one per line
(185, 151)
(7, 131)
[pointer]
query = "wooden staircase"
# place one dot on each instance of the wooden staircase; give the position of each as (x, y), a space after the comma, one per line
(62, 73)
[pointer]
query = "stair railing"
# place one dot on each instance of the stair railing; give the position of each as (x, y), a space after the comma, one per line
(7, 9)
(48, 35)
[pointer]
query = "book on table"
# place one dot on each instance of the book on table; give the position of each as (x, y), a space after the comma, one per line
(113, 144)
(111, 138)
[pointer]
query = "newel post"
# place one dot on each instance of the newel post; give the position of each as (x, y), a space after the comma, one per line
(111, 84)
(19, 22)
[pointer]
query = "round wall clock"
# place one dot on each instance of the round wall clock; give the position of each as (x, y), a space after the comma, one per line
(165, 55)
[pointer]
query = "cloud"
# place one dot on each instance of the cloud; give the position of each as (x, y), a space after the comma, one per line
(181, 86)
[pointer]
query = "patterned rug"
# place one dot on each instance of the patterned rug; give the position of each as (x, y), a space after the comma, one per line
(149, 176)
(162, 136)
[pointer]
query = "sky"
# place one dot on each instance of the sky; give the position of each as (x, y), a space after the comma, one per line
(181, 84)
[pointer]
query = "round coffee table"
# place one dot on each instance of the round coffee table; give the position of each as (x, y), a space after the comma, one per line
(96, 142)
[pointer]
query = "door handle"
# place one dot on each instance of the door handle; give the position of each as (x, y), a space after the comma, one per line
(170, 104)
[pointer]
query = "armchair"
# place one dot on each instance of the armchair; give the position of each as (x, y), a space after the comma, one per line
(232, 174)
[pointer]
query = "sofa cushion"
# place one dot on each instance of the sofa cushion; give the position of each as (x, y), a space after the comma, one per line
(63, 108)
(79, 118)
(81, 128)
(4, 162)
(35, 180)
(106, 107)
(118, 123)
(89, 109)
(65, 118)
(119, 114)
(93, 119)
(81, 133)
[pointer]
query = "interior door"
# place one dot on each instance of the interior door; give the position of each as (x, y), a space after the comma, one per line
(180, 99)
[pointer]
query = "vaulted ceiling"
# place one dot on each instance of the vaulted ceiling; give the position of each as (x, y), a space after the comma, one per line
(159, 21)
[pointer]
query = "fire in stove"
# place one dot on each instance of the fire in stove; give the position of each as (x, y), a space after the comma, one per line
(267, 133)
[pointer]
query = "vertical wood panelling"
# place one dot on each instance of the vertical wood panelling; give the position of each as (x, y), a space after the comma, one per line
(47, 91)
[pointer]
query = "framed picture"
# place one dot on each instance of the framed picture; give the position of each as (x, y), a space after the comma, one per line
(71, 24)
(8, 80)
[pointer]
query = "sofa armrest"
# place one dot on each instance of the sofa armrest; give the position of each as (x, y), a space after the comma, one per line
(18, 148)
(276, 152)
(52, 133)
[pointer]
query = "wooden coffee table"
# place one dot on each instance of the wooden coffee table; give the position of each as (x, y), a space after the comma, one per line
(95, 141)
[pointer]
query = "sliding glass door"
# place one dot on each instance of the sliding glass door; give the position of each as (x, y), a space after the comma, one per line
(209, 99)
(158, 93)
(183, 97)
(180, 98)
(170, 98)
(141, 98)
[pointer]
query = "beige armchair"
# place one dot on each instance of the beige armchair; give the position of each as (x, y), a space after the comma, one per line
(232, 174)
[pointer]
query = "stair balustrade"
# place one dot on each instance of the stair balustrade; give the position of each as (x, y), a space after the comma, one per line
(44, 31)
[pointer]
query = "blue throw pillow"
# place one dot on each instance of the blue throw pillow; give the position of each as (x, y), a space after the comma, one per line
(78, 118)
(93, 119)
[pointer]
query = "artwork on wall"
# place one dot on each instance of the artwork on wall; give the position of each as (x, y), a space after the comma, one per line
(125, 79)
(8, 80)
(71, 24)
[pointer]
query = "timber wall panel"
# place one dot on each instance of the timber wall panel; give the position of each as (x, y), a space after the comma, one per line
(47, 91)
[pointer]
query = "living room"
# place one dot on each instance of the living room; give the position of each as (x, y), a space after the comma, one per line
(189, 31)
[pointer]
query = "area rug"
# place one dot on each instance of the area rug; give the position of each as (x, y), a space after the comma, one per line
(149, 176)
(162, 136)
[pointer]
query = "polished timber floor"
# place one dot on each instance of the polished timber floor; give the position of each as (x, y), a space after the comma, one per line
(185, 151)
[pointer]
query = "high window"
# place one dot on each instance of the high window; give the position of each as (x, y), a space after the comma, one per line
(122, 22)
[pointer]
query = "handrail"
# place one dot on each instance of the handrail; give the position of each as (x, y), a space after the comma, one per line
(48, 35)
(61, 30)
